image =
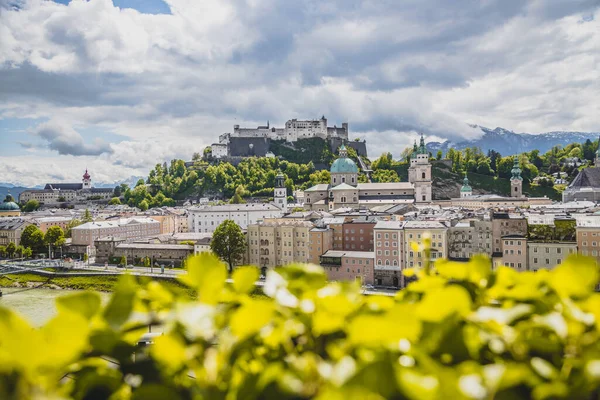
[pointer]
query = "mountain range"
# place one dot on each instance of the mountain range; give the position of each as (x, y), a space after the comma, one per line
(508, 142)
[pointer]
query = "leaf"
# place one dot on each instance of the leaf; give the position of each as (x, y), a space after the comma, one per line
(400, 322)
(119, 307)
(86, 304)
(244, 279)
(207, 274)
(170, 352)
(437, 305)
(576, 277)
(251, 317)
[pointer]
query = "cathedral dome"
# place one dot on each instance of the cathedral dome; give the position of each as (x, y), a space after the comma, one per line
(9, 206)
(343, 165)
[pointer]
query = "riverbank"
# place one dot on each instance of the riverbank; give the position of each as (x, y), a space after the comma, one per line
(105, 283)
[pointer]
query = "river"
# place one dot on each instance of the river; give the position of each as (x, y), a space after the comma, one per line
(36, 305)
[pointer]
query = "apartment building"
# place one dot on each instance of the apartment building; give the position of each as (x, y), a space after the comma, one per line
(126, 228)
(416, 232)
(349, 266)
(47, 222)
(514, 252)
(468, 238)
(11, 229)
(504, 224)
(276, 242)
(389, 252)
(321, 241)
(544, 255)
(588, 235)
(337, 225)
(206, 219)
(358, 234)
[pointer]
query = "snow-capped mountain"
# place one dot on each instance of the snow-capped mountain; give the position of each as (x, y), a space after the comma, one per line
(508, 142)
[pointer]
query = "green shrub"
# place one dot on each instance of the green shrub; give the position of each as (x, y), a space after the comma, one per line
(460, 331)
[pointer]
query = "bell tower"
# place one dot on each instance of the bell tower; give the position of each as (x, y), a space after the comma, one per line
(280, 195)
(516, 181)
(419, 173)
(87, 180)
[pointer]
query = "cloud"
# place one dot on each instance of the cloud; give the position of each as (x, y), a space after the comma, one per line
(66, 141)
(171, 83)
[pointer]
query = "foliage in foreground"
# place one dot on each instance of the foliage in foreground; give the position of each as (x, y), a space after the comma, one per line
(460, 331)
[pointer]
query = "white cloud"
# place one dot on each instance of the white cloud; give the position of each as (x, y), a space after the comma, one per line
(172, 83)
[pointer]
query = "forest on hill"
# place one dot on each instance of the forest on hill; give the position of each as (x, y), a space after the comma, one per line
(254, 177)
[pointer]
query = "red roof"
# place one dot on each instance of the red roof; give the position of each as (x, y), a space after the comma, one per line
(86, 175)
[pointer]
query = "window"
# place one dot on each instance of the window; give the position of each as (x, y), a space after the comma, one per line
(535, 260)
(379, 237)
(558, 250)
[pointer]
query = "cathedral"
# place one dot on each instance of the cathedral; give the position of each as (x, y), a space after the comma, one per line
(344, 190)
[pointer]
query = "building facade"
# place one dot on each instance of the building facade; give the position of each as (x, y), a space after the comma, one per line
(349, 266)
(11, 230)
(67, 192)
(126, 228)
(515, 252)
(468, 238)
(417, 232)
(206, 219)
(277, 242)
(389, 253)
(547, 255)
(321, 241)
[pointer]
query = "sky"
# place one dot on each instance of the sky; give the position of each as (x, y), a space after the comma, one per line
(118, 86)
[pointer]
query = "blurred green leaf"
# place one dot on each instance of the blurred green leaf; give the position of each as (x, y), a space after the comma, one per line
(207, 274)
(244, 279)
(86, 304)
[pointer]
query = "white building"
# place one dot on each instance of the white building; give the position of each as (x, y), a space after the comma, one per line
(67, 192)
(205, 219)
(294, 129)
(219, 150)
(126, 228)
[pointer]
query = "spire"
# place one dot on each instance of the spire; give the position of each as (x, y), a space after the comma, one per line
(343, 151)
(415, 150)
(516, 170)
(422, 149)
(86, 175)
(466, 188)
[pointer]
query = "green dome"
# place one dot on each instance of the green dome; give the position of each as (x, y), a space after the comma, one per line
(466, 187)
(9, 206)
(343, 165)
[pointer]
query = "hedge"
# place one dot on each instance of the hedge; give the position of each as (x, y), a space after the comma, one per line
(459, 331)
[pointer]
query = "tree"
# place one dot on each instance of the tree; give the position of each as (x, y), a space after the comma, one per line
(72, 224)
(237, 197)
(33, 238)
(2, 251)
(27, 252)
(31, 205)
(10, 249)
(143, 205)
(229, 243)
(114, 201)
(62, 199)
(147, 262)
(54, 236)
(19, 251)
(85, 257)
(87, 216)
(117, 192)
(122, 261)
(439, 155)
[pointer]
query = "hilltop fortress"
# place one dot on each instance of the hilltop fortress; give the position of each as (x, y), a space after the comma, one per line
(255, 141)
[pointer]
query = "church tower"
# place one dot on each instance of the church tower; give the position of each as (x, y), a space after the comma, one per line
(419, 173)
(280, 195)
(516, 181)
(87, 180)
(466, 190)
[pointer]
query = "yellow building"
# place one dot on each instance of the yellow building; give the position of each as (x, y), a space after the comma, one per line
(276, 242)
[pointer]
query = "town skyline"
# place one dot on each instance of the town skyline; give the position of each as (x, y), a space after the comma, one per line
(117, 87)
